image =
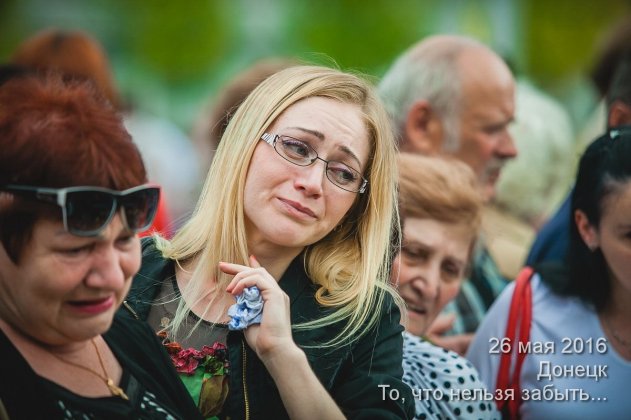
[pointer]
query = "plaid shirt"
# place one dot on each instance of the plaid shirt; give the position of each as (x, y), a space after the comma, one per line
(477, 293)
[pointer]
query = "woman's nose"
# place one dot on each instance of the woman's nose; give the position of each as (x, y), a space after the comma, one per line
(428, 282)
(310, 178)
(106, 270)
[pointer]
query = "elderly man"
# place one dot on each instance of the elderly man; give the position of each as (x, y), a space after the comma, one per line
(452, 95)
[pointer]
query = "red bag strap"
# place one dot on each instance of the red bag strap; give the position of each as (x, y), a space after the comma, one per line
(520, 314)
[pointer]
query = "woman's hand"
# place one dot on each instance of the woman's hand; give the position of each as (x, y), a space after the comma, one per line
(273, 336)
(302, 393)
(436, 334)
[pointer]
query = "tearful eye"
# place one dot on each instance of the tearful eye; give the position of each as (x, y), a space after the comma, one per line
(77, 251)
(342, 174)
(296, 149)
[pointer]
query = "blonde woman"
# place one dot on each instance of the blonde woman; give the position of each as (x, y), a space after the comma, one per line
(301, 202)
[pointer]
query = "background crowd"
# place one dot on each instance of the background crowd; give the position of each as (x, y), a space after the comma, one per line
(505, 109)
(169, 59)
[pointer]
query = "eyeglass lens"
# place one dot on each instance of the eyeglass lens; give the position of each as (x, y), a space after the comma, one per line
(140, 208)
(300, 153)
(87, 212)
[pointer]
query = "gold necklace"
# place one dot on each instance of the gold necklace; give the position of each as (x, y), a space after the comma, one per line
(114, 389)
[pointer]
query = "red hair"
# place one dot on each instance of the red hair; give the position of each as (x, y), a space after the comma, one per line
(74, 54)
(58, 134)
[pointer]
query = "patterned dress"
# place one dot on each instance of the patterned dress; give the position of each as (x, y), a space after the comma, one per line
(444, 384)
(201, 359)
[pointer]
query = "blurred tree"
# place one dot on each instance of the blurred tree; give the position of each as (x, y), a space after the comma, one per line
(181, 40)
(170, 56)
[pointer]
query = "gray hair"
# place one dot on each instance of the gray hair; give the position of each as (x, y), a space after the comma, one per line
(427, 71)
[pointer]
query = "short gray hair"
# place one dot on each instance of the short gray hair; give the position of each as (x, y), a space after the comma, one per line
(427, 70)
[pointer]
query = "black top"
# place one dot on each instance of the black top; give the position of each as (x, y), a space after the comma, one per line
(153, 388)
(363, 377)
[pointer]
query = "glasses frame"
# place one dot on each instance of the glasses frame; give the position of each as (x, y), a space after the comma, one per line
(271, 140)
(59, 196)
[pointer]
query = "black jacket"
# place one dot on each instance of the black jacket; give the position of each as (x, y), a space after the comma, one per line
(25, 396)
(362, 377)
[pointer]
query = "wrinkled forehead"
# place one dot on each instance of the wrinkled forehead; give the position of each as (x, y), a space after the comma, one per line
(331, 123)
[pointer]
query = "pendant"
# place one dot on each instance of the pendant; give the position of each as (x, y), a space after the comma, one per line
(116, 390)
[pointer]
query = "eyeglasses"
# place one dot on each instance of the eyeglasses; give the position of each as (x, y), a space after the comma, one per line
(300, 153)
(87, 211)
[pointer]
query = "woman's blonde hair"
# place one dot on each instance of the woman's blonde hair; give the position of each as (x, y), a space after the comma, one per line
(351, 264)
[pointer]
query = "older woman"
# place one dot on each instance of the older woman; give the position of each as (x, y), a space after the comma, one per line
(72, 199)
(440, 212)
(300, 201)
(580, 311)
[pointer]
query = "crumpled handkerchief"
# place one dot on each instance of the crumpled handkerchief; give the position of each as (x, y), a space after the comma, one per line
(247, 311)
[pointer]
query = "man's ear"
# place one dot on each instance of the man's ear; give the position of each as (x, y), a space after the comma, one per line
(619, 114)
(423, 130)
(588, 232)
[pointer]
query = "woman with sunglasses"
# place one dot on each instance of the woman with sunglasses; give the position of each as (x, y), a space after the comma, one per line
(300, 202)
(577, 357)
(72, 200)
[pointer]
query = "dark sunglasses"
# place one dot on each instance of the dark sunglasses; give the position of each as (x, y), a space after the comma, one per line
(87, 211)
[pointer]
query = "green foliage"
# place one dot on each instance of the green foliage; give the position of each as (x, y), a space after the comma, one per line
(181, 40)
(563, 36)
(170, 56)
